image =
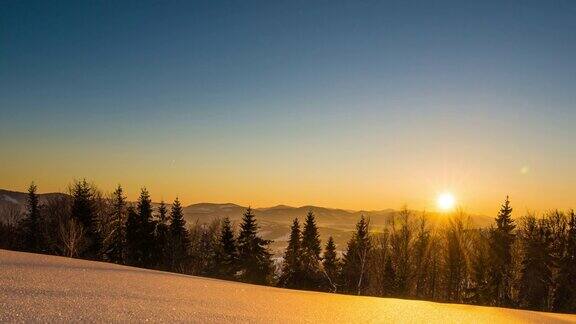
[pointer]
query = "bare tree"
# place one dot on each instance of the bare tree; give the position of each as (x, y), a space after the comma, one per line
(55, 212)
(379, 284)
(71, 237)
(10, 214)
(363, 257)
(401, 247)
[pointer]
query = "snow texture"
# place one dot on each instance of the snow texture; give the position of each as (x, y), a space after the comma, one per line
(45, 288)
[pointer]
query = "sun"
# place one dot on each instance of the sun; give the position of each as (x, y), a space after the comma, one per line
(446, 201)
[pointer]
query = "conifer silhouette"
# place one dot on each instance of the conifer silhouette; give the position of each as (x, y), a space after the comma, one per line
(501, 240)
(31, 236)
(330, 264)
(84, 210)
(227, 252)
(310, 255)
(179, 241)
(255, 259)
(115, 245)
(292, 266)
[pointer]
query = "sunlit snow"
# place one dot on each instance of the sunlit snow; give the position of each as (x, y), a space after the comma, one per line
(48, 288)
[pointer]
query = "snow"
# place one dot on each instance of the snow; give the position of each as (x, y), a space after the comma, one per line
(48, 288)
(10, 199)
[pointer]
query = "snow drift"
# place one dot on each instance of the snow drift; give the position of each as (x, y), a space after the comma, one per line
(46, 288)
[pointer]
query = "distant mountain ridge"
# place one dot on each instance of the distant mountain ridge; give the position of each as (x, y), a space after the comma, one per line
(284, 214)
(274, 222)
(19, 198)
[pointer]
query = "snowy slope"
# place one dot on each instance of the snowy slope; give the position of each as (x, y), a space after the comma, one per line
(49, 288)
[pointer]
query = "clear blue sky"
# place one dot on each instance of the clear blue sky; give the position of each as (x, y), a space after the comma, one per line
(357, 104)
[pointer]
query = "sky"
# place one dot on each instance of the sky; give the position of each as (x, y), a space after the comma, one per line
(348, 104)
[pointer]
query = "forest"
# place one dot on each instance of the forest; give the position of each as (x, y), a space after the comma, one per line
(526, 262)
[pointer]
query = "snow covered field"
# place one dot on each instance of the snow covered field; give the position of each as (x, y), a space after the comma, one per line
(48, 288)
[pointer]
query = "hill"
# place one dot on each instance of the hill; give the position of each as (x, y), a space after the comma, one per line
(8, 197)
(44, 288)
(274, 221)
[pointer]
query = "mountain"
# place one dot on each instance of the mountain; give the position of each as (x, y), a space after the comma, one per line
(45, 288)
(282, 214)
(13, 203)
(19, 198)
(339, 223)
(274, 221)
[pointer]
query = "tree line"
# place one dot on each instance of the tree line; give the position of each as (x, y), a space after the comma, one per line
(88, 225)
(527, 262)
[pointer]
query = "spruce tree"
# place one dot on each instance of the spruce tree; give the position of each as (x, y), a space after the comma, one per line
(148, 241)
(355, 260)
(206, 253)
(31, 229)
(501, 240)
(311, 254)
(292, 266)
(227, 252)
(162, 248)
(162, 213)
(179, 241)
(116, 243)
(140, 233)
(133, 236)
(84, 210)
(330, 265)
(30, 226)
(255, 258)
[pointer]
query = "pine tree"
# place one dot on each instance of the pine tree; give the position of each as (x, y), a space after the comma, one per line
(162, 234)
(255, 259)
(227, 252)
(30, 226)
(140, 233)
(116, 243)
(356, 258)
(330, 265)
(84, 210)
(179, 241)
(312, 276)
(148, 242)
(292, 266)
(162, 213)
(501, 240)
(133, 237)
(206, 253)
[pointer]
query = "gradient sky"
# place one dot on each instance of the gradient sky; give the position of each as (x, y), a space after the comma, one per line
(355, 104)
